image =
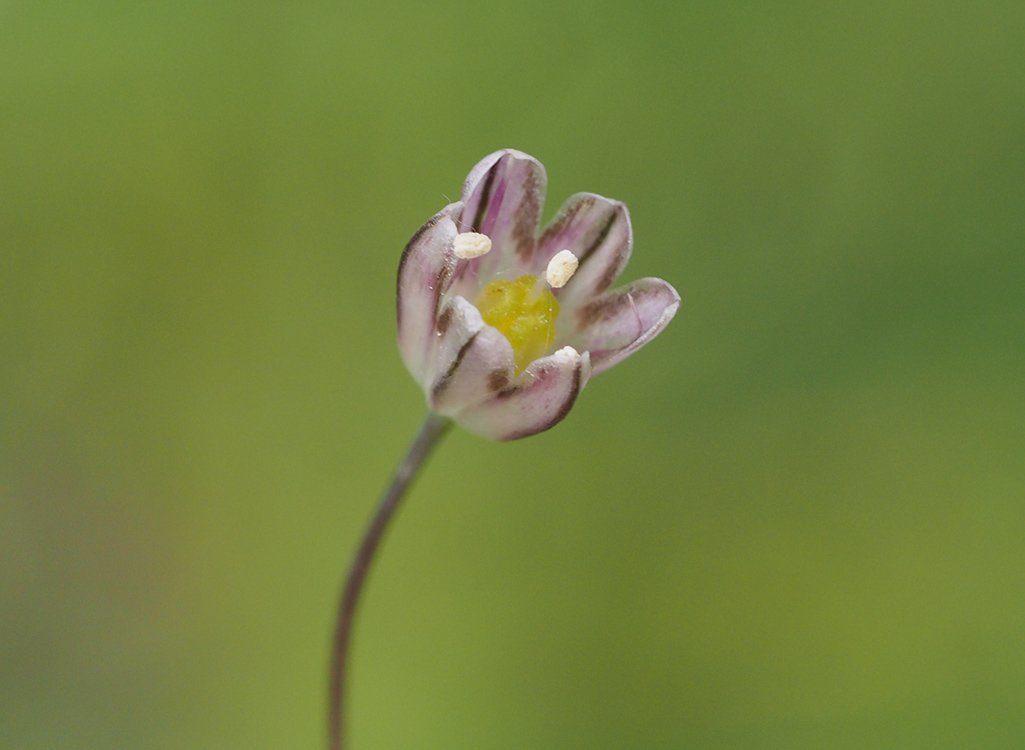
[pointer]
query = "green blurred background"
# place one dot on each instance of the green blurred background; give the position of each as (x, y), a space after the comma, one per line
(796, 520)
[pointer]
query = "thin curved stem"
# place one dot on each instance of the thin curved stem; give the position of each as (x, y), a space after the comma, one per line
(433, 428)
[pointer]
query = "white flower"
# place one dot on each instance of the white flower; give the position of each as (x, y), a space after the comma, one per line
(503, 327)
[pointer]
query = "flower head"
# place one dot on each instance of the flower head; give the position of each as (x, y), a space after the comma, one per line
(502, 326)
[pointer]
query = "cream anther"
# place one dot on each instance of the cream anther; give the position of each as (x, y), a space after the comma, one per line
(471, 245)
(561, 268)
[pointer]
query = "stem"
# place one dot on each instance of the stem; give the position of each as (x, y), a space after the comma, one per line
(433, 428)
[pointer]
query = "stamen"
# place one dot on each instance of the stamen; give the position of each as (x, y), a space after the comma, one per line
(561, 268)
(471, 245)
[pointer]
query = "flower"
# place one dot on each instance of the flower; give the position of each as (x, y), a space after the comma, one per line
(502, 326)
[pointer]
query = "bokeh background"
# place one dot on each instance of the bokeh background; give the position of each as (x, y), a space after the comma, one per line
(796, 520)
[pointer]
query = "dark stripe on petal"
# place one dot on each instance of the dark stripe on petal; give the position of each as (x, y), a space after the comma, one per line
(444, 320)
(567, 216)
(442, 383)
(432, 222)
(612, 272)
(571, 398)
(564, 409)
(485, 197)
(618, 323)
(524, 232)
(441, 285)
(602, 236)
(498, 379)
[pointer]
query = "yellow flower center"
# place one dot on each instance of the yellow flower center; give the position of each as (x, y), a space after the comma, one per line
(524, 311)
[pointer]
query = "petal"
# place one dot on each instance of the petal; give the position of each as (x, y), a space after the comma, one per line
(503, 196)
(596, 230)
(425, 273)
(615, 325)
(474, 361)
(541, 399)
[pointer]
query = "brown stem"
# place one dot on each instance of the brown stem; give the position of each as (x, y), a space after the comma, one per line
(430, 432)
